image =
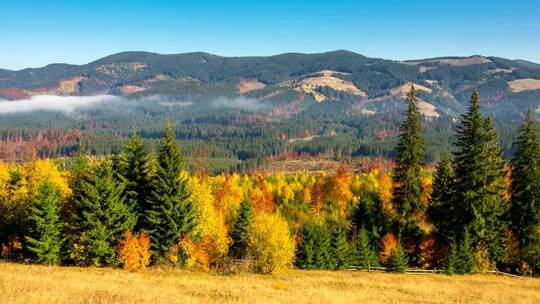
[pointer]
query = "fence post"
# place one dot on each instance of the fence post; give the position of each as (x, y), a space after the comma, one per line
(368, 267)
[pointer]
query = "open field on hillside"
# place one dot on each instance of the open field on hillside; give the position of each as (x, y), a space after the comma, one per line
(39, 284)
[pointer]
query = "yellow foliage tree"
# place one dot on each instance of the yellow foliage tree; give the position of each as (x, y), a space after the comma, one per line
(212, 227)
(384, 188)
(40, 170)
(269, 244)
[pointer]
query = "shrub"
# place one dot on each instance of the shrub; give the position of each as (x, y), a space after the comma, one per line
(134, 251)
(397, 262)
(270, 244)
(192, 255)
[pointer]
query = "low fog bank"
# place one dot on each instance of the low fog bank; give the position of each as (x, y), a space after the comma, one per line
(71, 104)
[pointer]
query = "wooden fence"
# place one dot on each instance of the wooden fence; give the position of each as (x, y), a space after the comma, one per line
(421, 271)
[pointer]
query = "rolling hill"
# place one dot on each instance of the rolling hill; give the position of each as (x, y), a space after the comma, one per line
(249, 107)
(447, 82)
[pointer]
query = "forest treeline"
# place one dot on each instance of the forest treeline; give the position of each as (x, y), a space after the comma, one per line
(474, 212)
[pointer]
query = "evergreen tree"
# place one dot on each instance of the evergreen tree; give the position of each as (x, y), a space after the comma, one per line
(45, 239)
(452, 260)
(366, 256)
(172, 214)
(314, 251)
(305, 255)
(441, 208)
(340, 257)
(134, 169)
(479, 180)
(398, 260)
(101, 217)
(409, 161)
(531, 250)
(525, 185)
(370, 215)
(489, 213)
(240, 229)
(465, 255)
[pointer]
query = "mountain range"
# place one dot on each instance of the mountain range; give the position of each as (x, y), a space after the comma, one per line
(507, 87)
(243, 111)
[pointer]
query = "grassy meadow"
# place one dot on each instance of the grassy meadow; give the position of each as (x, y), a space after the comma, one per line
(40, 284)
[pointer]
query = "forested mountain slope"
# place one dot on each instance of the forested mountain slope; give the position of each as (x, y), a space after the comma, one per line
(332, 104)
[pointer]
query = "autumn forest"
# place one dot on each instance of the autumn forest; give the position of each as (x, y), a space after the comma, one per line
(472, 212)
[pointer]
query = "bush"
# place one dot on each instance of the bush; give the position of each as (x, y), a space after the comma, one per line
(397, 262)
(270, 244)
(134, 251)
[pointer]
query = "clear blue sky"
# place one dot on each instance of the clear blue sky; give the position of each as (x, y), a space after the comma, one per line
(35, 33)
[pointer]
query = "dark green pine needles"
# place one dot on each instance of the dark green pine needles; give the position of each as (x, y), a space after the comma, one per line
(172, 214)
(240, 229)
(101, 217)
(479, 181)
(133, 167)
(525, 188)
(409, 161)
(45, 239)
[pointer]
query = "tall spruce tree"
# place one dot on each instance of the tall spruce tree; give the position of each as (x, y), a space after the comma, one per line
(314, 250)
(240, 229)
(134, 169)
(452, 260)
(479, 188)
(101, 217)
(340, 257)
(45, 240)
(531, 250)
(365, 255)
(441, 207)
(465, 255)
(525, 187)
(172, 214)
(409, 161)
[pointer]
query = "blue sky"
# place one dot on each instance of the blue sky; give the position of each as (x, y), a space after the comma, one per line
(35, 33)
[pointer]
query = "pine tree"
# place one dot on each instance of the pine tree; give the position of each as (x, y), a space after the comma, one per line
(531, 250)
(489, 213)
(366, 256)
(465, 255)
(339, 245)
(398, 260)
(452, 260)
(101, 217)
(323, 244)
(525, 187)
(172, 214)
(314, 250)
(369, 214)
(305, 255)
(240, 229)
(441, 208)
(409, 160)
(134, 169)
(45, 240)
(479, 180)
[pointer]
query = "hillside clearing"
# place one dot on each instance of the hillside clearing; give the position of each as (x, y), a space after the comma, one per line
(39, 284)
(525, 84)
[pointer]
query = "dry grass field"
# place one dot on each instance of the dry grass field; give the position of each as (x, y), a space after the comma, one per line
(39, 284)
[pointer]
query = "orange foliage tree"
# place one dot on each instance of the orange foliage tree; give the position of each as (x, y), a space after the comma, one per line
(134, 251)
(387, 245)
